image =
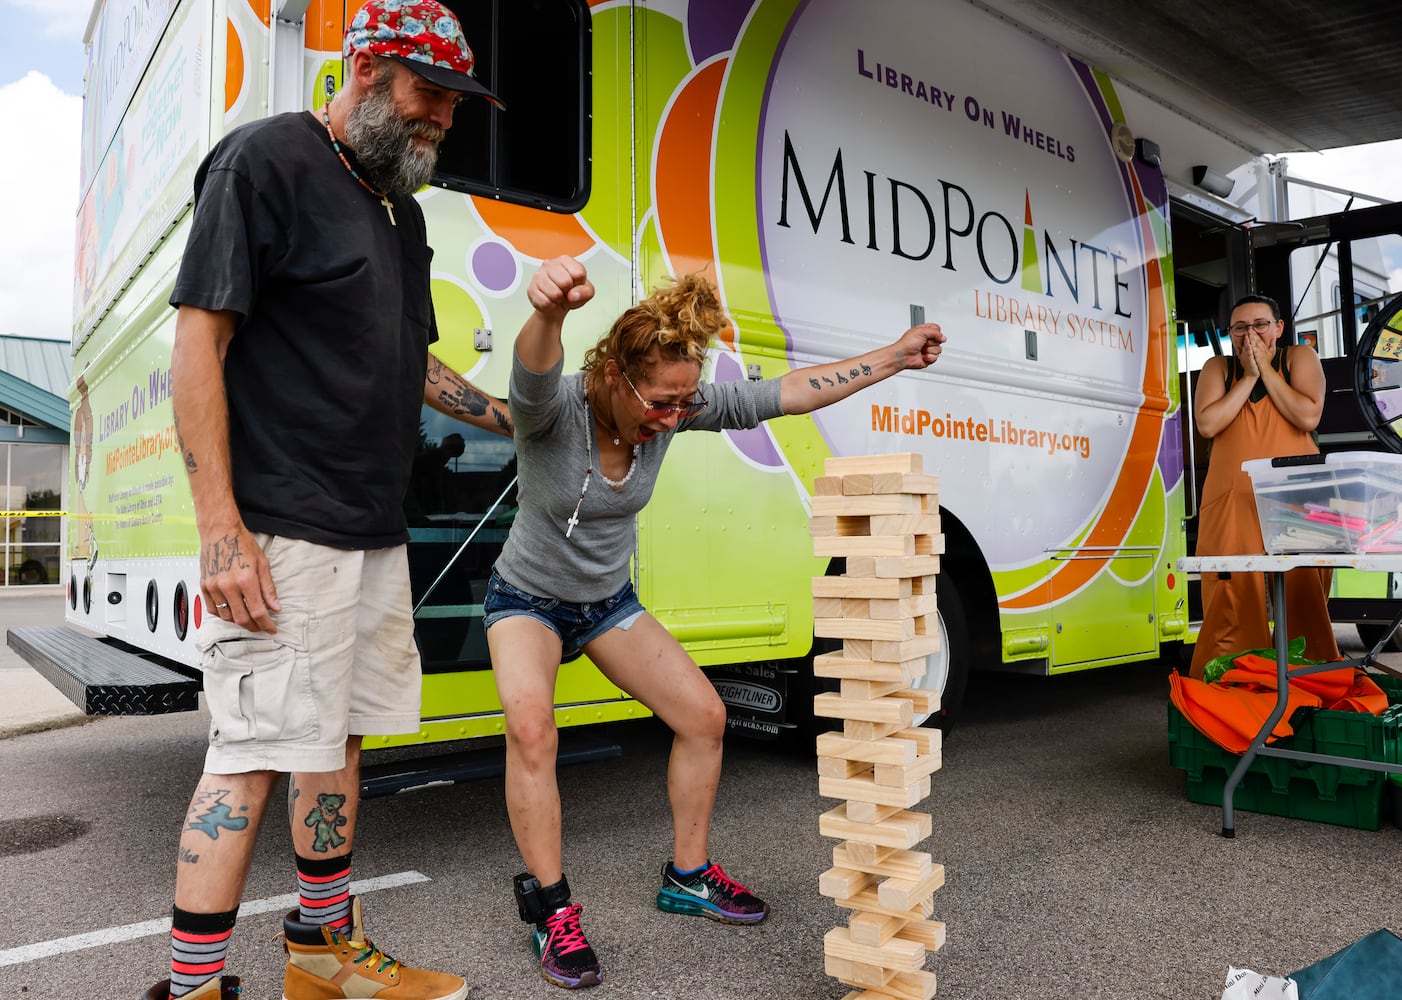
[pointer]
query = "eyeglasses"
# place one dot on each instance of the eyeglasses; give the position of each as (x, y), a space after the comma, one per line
(1260, 326)
(682, 410)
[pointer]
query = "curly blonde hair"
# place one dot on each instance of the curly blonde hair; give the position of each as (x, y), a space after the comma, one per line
(675, 323)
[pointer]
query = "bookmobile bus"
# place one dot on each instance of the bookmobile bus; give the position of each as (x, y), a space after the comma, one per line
(840, 169)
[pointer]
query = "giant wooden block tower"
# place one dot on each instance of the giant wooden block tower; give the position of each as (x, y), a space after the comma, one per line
(881, 513)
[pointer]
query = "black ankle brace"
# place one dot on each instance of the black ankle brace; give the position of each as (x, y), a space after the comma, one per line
(536, 902)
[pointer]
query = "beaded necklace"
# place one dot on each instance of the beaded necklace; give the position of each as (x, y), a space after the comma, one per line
(382, 195)
(617, 484)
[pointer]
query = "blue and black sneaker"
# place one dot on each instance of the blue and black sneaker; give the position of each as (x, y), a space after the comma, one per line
(565, 956)
(709, 893)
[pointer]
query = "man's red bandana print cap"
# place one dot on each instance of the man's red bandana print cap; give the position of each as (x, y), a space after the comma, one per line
(423, 35)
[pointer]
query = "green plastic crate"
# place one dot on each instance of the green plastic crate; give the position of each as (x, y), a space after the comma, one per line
(1324, 793)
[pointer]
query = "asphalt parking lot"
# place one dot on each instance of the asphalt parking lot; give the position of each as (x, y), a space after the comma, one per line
(1076, 868)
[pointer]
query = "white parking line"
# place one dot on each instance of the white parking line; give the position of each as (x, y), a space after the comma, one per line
(147, 928)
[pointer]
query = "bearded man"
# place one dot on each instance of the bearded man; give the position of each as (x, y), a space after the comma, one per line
(299, 367)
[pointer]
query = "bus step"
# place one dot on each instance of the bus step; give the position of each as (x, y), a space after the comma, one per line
(102, 678)
(466, 765)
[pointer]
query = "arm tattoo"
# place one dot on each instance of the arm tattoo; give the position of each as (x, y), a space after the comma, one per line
(209, 814)
(503, 419)
(462, 398)
(187, 455)
(815, 383)
(224, 555)
(188, 857)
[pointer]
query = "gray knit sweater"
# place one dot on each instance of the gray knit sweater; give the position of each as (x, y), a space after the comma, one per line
(552, 456)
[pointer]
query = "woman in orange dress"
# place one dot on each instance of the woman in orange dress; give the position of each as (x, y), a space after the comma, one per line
(1262, 402)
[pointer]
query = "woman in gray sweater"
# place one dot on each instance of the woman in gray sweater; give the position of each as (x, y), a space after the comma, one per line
(589, 447)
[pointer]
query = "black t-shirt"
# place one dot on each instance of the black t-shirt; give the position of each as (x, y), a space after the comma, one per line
(325, 373)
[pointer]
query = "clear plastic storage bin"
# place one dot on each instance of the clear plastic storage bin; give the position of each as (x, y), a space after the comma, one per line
(1348, 501)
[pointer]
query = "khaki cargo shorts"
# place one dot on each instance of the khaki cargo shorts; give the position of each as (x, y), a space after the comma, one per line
(342, 662)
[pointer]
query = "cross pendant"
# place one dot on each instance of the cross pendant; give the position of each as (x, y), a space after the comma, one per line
(574, 519)
(389, 208)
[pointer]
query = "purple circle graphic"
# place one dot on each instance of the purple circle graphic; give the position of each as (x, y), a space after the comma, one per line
(494, 266)
(754, 443)
(714, 26)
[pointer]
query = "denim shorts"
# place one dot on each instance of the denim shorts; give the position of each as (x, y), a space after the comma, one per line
(577, 625)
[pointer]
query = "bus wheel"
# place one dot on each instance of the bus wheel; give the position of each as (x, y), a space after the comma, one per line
(947, 669)
(1370, 632)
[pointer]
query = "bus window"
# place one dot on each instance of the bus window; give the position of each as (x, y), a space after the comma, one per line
(536, 56)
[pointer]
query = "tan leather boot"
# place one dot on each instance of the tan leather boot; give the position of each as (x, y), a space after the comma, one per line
(325, 965)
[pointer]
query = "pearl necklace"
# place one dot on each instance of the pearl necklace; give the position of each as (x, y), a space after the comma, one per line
(382, 195)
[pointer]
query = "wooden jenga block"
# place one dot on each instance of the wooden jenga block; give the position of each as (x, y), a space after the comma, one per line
(843, 667)
(905, 461)
(838, 767)
(904, 524)
(903, 830)
(888, 588)
(895, 566)
(924, 700)
(833, 526)
(869, 628)
(867, 790)
(861, 483)
(888, 751)
(831, 705)
(871, 690)
(867, 732)
(843, 883)
(866, 854)
(914, 606)
(930, 933)
(877, 503)
(925, 740)
(901, 775)
(827, 486)
(903, 986)
(873, 929)
(923, 644)
(902, 894)
(903, 956)
(869, 812)
(868, 977)
(868, 902)
(911, 865)
(873, 545)
(857, 484)
(861, 547)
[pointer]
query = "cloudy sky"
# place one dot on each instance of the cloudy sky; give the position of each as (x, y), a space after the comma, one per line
(41, 78)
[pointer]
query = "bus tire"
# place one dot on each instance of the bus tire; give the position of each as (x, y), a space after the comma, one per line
(947, 670)
(1369, 633)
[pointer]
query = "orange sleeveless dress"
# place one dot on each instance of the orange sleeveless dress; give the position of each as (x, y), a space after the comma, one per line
(1235, 616)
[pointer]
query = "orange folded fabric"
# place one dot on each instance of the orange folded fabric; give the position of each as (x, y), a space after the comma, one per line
(1330, 685)
(1232, 715)
(1363, 696)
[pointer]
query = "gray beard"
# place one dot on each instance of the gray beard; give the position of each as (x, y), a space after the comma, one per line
(384, 143)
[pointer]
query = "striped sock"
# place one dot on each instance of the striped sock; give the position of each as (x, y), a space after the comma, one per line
(198, 944)
(324, 887)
